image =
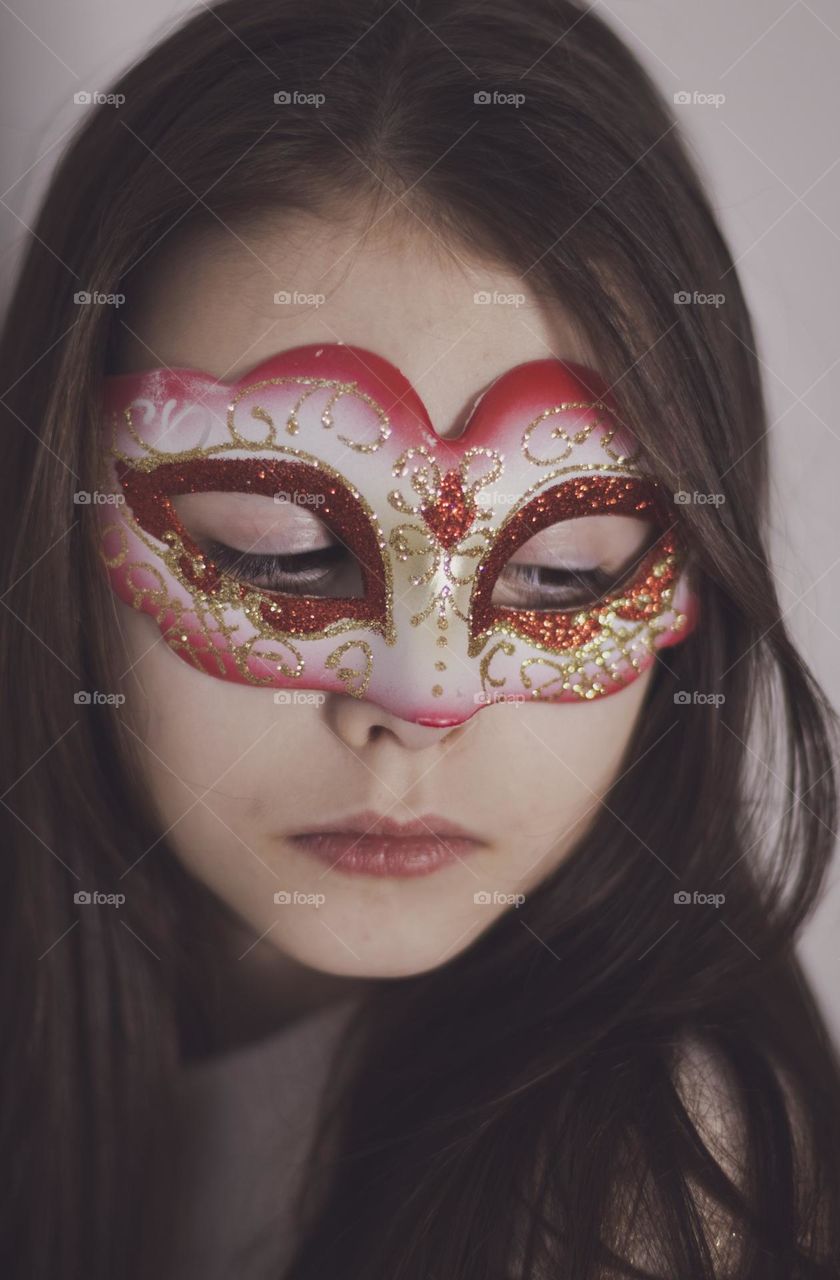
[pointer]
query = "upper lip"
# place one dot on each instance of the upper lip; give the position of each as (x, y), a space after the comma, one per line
(376, 824)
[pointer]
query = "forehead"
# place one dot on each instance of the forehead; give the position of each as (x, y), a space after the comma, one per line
(223, 299)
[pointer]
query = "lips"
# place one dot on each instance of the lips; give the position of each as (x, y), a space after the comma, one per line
(371, 844)
(368, 822)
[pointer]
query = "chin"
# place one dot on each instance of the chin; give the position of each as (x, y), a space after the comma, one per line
(363, 950)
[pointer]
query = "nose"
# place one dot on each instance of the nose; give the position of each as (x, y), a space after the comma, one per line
(425, 679)
(359, 722)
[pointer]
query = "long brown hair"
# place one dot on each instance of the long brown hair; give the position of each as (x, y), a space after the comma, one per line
(530, 1083)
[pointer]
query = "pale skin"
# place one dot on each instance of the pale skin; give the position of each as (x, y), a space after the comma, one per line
(526, 779)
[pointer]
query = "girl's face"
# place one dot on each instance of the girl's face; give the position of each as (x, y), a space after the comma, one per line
(236, 774)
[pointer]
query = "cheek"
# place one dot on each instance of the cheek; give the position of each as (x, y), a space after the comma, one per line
(216, 762)
(212, 751)
(560, 761)
(593, 736)
(196, 725)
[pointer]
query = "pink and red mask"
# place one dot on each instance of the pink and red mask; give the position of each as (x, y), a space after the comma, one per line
(430, 522)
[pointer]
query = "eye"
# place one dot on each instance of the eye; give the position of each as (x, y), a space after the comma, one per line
(278, 545)
(574, 563)
(585, 540)
(296, 526)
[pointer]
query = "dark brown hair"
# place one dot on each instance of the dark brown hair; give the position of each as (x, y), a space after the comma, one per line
(517, 1109)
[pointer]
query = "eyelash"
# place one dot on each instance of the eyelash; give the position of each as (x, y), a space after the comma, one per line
(298, 574)
(286, 574)
(597, 581)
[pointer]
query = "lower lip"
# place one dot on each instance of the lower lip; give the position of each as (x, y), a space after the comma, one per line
(398, 856)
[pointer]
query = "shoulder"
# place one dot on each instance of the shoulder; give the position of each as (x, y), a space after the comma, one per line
(719, 1110)
(715, 1100)
(674, 1118)
(740, 1118)
(707, 1088)
(710, 1093)
(706, 1133)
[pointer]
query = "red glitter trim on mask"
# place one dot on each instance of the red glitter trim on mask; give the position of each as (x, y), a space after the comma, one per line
(148, 493)
(449, 517)
(562, 630)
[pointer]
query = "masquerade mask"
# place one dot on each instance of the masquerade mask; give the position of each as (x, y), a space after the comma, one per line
(439, 621)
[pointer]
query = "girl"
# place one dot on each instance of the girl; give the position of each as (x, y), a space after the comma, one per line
(407, 762)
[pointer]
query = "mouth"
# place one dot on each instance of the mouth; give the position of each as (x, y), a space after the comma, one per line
(370, 844)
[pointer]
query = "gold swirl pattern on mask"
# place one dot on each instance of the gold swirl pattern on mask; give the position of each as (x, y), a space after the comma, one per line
(169, 614)
(242, 655)
(579, 437)
(348, 674)
(152, 456)
(609, 650)
(292, 425)
(448, 503)
(117, 560)
(413, 541)
(449, 508)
